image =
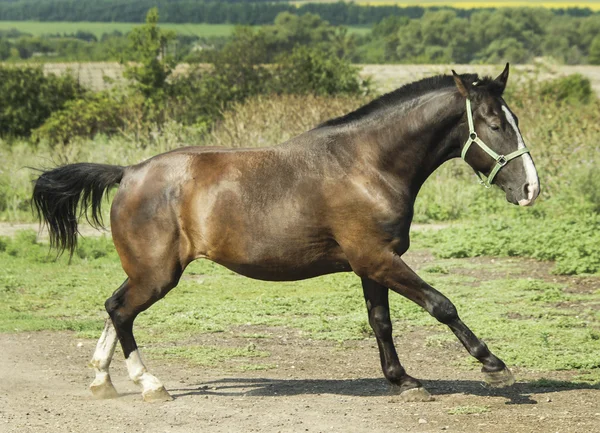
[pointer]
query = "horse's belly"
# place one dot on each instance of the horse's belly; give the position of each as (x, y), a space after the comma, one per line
(287, 271)
(281, 259)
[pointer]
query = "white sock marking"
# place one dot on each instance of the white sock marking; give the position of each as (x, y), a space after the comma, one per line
(530, 171)
(139, 374)
(104, 352)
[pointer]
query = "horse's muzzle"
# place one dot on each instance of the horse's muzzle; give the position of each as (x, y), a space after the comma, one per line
(532, 191)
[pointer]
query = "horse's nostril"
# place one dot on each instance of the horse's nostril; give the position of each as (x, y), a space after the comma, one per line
(526, 189)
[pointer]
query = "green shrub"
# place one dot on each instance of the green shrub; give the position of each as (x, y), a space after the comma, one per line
(316, 71)
(102, 112)
(588, 183)
(235, 74)
(573, 89)
(29, 98)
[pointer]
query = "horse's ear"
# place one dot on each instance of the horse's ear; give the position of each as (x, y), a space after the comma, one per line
(460, 84)
(503, 78)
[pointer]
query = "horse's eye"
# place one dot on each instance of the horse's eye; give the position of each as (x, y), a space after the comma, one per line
(494, 127)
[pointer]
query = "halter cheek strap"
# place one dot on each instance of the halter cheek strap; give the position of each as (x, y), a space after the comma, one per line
(501, 160)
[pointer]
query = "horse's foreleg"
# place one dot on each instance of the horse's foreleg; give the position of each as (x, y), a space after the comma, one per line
(376, 297)
(102, 386)
(403, 280)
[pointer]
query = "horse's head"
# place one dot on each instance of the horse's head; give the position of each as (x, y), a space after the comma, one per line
(494, 147)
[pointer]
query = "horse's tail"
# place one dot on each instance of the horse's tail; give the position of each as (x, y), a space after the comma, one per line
(58, 193)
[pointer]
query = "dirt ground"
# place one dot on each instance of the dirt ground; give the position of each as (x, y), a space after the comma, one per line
(317, 387)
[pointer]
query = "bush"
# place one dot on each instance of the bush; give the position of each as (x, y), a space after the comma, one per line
(237, 73)
(29, 98)
(104, 112)
(316, 71)
(573, 89)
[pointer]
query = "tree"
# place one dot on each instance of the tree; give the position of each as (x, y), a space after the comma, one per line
(149, 46)
(594, 57)
(4, 49)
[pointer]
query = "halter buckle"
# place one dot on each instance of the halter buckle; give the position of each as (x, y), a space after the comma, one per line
(501, 161)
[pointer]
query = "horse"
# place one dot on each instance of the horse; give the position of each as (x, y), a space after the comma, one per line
(337, 198)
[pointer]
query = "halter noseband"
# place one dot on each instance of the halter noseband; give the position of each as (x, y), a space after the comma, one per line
(501, 160)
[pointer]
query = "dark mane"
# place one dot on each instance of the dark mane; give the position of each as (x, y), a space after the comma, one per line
(407, 92)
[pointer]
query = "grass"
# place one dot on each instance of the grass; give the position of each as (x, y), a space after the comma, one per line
(520, 318)
(39, 28)
(571, 241)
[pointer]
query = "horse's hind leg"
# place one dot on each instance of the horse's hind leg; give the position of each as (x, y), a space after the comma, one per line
(135, 296)
(102, 386)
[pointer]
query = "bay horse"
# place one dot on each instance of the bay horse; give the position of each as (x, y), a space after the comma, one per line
(338, 198)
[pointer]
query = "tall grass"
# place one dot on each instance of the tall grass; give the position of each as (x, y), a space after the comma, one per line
(263, 121)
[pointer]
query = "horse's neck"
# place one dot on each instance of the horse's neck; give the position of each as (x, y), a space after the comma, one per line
(416, 140)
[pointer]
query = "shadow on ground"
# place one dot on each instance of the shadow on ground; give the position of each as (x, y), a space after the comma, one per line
(519, 393)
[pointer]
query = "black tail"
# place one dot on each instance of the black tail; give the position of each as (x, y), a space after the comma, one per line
(59, 192)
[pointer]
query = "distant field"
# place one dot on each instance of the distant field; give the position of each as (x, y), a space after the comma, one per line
(38, 28)
(594, 5)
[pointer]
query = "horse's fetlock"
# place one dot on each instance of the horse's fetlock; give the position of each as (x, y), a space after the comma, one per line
(480, 350)
(394, 373)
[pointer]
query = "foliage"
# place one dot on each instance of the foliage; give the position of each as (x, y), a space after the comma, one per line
(189, 11)
(573, 89)
(149, 48)
(595, 51)
(29, 98)
(571, 241)
(431, 35)
(307, 70)
(102, 112)
(153, 64)
(237, 73)
(484, 36)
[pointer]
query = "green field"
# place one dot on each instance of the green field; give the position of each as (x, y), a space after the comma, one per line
(38, 28)
(520, 317)
(472, 4)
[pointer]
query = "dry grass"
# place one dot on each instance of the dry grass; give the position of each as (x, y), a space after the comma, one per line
(270, 120)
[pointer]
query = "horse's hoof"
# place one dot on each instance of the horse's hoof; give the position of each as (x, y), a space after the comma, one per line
(415, 394)
(104, 390)
(499, 379)
(155, 395)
